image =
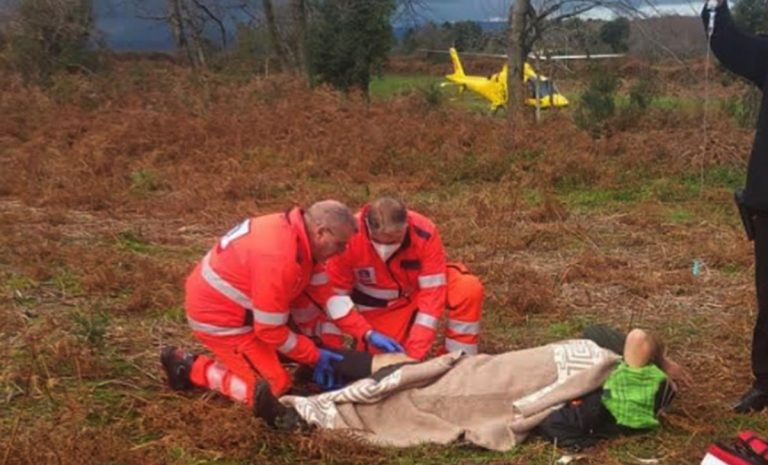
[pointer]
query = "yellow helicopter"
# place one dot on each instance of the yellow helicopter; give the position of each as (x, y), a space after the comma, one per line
(494, 88)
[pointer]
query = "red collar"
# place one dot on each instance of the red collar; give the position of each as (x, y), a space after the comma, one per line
(295, 218)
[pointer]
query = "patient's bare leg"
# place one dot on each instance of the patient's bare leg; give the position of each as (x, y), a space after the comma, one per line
(642, 348)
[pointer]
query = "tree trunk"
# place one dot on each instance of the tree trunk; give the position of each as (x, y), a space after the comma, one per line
(274, 35)
(299, 15)
(516, 58)
(179, 30)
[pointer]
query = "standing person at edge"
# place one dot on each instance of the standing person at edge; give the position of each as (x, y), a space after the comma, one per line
(396, 274)
(747, 56)
(238, 300)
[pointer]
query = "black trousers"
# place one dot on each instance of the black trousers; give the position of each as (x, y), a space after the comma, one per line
(760, 334)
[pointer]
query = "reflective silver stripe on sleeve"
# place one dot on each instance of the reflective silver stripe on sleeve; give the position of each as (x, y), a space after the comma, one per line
(463, 327)
(431, 280)
(329, 328)
(425, 320)
(289, 343)
(366, 308)
(318, 279)
(378, 293)
(339, 306)
(304, 315)
(268, 318)
(340, 291)
(452, 345)
(218, 283)
(217, 330)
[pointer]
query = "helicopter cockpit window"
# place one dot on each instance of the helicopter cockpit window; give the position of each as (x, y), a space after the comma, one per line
(545, 88)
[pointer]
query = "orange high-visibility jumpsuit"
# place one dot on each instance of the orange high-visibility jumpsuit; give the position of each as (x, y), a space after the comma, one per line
(405, 297)
(238, 299)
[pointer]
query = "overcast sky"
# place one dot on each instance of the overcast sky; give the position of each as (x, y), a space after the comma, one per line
(117, 19)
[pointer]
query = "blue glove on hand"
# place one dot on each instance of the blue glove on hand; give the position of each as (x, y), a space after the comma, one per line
(324, 375)
(382, 342)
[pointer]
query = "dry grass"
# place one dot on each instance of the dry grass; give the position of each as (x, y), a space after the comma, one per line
(112, 187)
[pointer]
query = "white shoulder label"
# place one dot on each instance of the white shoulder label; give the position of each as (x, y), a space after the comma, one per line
(238, 231)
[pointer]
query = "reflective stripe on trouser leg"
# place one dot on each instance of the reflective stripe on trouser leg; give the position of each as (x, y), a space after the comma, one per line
(247, 357)
(465, 306)
(221, 379)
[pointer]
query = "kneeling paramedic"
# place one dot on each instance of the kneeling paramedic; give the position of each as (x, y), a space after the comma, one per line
(238, 300)
(396, 274)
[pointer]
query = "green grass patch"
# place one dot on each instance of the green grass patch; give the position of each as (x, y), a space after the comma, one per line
(455, 454)
(731, 177)
(430, 87)
(91, 325)
(570, 328)
(645, 187)
(145, 182)
(732, 269)
(19, 288)
(681, 216)
(133, 242)
(600, 197)
(392, 85)
(175, 314)
(67, 283)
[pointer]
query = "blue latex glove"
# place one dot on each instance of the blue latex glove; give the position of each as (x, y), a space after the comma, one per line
(382, 342)
(324, 375)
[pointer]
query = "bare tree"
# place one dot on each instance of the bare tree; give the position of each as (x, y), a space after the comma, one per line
(189, 20)
(530, 19)
(516, 55)
(278, 44)
(300, 20)
(46, 36)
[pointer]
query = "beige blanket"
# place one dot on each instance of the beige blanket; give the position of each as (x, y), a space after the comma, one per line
(492, 401)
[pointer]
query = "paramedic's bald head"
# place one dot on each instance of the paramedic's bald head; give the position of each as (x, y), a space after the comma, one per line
(387, 220)
(330, 225)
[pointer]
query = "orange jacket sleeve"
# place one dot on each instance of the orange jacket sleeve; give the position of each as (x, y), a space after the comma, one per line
(339, 305)
(273, 282)
(430, 299)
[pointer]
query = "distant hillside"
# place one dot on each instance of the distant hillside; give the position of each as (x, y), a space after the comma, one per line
(488, 26)
(681, 35)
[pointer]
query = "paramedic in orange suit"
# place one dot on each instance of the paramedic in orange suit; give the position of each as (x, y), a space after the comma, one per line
(395, 272)
(238, 300)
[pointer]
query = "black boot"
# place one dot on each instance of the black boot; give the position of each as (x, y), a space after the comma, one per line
(276, 415)
(753, 401)
(178, 366)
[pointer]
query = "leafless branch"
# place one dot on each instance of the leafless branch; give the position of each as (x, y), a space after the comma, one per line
(215, 19)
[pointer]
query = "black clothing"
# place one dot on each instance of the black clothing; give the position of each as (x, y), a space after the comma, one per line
(747, 56)
(581, 424)
(753, 401)
(760, 333)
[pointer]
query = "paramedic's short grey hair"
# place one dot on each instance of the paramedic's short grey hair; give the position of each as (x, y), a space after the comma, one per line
(331, 214)
(387, 215)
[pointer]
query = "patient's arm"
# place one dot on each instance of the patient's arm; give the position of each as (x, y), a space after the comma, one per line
(357, 365)
(384, 360)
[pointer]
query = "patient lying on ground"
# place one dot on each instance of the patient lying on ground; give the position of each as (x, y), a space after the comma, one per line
(576, 391)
